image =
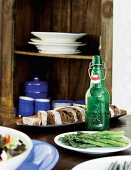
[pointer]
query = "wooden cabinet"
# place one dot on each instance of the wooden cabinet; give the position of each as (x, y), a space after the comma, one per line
(67, 74)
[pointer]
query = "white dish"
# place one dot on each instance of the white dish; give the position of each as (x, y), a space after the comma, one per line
(37, 40)
(93, 150)
(58, 36)
(101, 163)
(60, 52)
(15, 161)
(56, 48)
(56, 44)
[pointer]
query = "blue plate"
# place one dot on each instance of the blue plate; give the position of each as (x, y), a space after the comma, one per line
(43, 156)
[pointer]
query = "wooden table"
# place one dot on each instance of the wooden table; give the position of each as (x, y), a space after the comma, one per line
(68, 159)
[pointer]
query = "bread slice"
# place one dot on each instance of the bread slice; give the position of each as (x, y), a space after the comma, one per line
(114, 111)
(54, 117)
(68, 115)
(80, 113)
(32, 120)
(43, 116)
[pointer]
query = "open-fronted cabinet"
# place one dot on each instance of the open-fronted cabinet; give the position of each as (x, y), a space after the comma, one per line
(67, 74)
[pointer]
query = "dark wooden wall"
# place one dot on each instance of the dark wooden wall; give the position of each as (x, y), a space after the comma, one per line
(58, 16)
(67, 78)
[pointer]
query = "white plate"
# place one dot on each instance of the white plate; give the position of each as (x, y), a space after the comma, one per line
(60, 52)
(57, 47)
(93, 150)
(42, 43)
(101, 163)
(37, 40)
(58, 36)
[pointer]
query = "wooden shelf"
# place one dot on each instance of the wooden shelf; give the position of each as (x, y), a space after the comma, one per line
(69, 56)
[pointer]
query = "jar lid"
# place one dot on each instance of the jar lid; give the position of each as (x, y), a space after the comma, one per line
(36, 81)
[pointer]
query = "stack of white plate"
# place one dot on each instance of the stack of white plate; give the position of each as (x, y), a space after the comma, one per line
(57, 42)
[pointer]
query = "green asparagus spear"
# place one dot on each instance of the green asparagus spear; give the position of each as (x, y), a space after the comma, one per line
(101, 139)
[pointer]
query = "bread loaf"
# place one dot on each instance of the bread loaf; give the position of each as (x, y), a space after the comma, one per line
(65, 115)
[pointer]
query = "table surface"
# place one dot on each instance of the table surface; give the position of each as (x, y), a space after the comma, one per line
(68, 159)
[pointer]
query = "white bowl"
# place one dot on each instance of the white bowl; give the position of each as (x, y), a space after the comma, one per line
(14, 162)
(58, 36)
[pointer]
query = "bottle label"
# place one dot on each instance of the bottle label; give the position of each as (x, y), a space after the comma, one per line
(95, 79)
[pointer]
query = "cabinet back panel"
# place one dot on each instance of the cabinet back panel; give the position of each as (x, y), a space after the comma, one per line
(68, 78)
(58, 16)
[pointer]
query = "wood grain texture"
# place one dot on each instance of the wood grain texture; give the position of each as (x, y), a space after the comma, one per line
(1, 7)
(69, 56)
(59, 16)
(79, 79)
(7, 60)
(25, 15)
(107, 40)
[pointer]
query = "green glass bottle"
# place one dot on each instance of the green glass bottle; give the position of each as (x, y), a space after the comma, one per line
(97, 97)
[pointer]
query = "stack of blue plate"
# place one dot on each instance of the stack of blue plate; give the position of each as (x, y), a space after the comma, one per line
(36, 89)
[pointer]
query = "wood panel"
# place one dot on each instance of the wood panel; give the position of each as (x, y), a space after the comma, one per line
(59, 80)
(1, 7)
(107, 40)
(78, 79)
(59, 16)
(86, 17)
(24, 21)
(6, 57)
(45, 16)
(61, 12)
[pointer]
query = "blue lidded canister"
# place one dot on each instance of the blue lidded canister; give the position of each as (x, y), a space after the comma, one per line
(36, 88)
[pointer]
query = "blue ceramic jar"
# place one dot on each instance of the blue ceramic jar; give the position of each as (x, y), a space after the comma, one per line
(26, 106)
(36, 88)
